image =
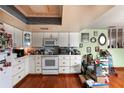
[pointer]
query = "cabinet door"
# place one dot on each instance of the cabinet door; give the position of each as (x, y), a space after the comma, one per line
(37, 39)
(18, 37)
(63, 39)
(74, 39)
(75, 60)
(32, 64)
(55, 35)
(6, 78)
(64, 70)
(47, 35)
(26, 60)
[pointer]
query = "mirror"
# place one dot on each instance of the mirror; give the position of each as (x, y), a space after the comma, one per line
(102, 39)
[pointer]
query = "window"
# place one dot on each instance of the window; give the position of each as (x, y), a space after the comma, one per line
(115, 36)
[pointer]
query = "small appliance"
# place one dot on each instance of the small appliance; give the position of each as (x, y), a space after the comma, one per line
(20, 52)
(50, 42)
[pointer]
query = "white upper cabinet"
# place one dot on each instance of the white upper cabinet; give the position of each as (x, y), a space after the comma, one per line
(18, 34)
(63, 39)
(51, 34)
(47, 35)
(37, 39)
(55, 35)
(74, 39)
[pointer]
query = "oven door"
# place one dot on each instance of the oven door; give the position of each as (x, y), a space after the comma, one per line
(50, 63)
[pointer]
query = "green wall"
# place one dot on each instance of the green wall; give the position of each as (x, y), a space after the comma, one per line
(93, 45)
(118, 57)
(117, 54)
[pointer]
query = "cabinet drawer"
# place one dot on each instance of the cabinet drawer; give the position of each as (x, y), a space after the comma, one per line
(18, 61)
(64, 57)
(18, 77)
(75, 63)
(64, 63)
(18, 68)
(36, 58)
(64, 69)
(38, 70)
(76, 57)
(38, 63)
(75, 69)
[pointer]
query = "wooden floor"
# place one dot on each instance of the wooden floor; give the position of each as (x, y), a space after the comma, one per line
(117, 82)
(65, 81)
(58, 81)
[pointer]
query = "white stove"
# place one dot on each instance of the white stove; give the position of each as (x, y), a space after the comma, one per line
(50, 65)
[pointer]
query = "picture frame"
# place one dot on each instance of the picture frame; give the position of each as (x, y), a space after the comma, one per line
(88, 49)
(85, 37)
(97, 49)
(95, 33)
(81, 45)
(93, 40)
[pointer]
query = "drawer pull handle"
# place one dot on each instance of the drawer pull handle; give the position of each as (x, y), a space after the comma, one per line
(1, 69)
(63, 69)
(19, 61)
(63, 62)
(19, 68)
(19, 77)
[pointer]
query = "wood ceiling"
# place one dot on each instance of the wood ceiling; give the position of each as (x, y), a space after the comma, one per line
(40, 10)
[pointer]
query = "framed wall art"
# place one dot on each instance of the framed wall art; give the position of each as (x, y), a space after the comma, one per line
(95, 33)
(97, 49)
(88, 49)
(93, 40)
(84, 37)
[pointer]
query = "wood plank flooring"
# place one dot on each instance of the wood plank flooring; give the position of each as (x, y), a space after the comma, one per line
(47, 81)
(65, 81)
(117, 82)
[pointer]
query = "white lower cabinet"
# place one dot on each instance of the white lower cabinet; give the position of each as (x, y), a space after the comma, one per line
(75, 69)
(19, 69)
(64, 69)
(38, 64)
(69, 64)
(18, 77)
(38, 70)
(35, 64)
(31, 64)
(26, 60)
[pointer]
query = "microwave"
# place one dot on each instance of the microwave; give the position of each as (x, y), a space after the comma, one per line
(50, 42)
